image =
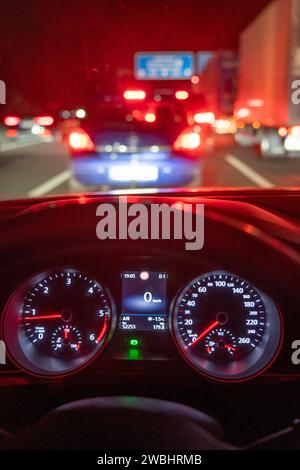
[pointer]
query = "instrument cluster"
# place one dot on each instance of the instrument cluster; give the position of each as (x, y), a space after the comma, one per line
(61, 319)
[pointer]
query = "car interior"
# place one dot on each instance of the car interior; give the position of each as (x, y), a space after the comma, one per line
(128, 380)
(149, 232)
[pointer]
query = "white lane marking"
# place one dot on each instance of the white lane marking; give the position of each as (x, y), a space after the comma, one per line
(50, 184)
(251, 174)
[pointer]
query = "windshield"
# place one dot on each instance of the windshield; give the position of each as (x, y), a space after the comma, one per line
(110, 95)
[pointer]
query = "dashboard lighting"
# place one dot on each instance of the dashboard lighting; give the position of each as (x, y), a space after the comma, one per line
(133, 354)
(144, 275)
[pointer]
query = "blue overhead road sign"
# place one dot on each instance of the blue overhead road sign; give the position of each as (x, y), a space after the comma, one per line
(164, 65)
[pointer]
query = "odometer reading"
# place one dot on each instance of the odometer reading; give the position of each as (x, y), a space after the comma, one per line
(225, 326)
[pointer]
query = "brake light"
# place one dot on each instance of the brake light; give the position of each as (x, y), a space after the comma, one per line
(11, 121)
(10, 133)
(44, 120)
(181, 95)
(134, 95)
(242, 113)
(187, 140)
(294, 131)
(282, 131)
(80, 141)
(150, 117)
(204, 118)
(195, 79)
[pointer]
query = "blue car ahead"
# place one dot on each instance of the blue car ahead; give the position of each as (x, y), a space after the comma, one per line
(121, 146)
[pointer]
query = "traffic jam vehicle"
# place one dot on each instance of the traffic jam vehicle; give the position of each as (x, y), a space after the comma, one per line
(135, 142)
(267, 110)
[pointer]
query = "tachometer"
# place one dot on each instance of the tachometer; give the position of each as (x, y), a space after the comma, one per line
(226, 327)
(57, 321)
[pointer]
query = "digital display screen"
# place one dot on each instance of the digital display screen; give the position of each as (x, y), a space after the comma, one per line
(144, 301)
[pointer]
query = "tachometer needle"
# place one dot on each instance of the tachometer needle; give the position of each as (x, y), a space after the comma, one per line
(204, 333)
(50, 316)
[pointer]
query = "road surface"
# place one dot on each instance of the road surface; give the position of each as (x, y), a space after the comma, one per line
(34, 168)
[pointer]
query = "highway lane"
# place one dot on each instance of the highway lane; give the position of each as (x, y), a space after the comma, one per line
(24, 169)
(43, 168)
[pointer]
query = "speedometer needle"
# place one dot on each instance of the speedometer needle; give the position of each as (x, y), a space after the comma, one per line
(43, 317)
(204, 333)
(229, 348)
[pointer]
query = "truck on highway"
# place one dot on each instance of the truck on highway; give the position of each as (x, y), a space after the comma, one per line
(267, 109)
(218, 82)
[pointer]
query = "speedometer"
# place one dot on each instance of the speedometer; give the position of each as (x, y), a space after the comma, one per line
(225, 327)
(57, 321)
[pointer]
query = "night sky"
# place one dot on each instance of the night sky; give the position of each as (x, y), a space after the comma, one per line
(53, 53)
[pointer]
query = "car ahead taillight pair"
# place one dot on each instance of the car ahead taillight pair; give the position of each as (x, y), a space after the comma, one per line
(79, 141)
(188, 140)
(13, 121)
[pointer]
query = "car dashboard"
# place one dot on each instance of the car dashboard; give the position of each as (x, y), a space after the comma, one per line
(84, 317)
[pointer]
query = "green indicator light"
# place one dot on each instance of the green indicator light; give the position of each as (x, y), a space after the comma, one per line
(133, 354)
(134, 342)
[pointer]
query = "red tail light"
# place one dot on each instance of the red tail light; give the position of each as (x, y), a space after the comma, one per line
(187, 140)
(80, 141)
(181, 95)
(204, 118)
(12, 121)
(134, 95)
(10, 133)
(44, 120)
(282, 131)
(150, 117)
(294, 131)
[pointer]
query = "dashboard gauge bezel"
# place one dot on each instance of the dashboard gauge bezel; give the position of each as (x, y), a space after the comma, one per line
(22, 352)
(252, 365)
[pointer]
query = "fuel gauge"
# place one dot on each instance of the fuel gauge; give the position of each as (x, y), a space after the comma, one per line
(220, 343)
